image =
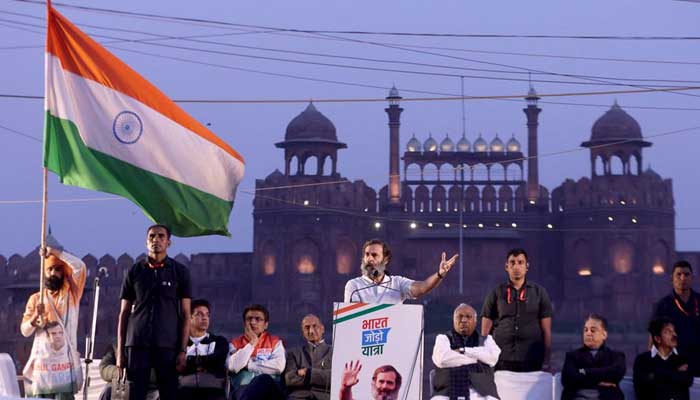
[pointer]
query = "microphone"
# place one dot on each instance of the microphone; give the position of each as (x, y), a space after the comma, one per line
(375, 273)
(103, 271)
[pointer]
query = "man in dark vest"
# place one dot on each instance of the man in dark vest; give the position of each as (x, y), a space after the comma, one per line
(464, 366)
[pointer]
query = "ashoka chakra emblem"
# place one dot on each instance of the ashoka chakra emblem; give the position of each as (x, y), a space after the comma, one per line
(127, 127)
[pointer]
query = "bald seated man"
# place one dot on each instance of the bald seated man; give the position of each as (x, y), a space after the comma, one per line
(308, 369)
(464, 360)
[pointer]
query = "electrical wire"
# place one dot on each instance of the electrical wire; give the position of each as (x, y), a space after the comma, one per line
(377, 33)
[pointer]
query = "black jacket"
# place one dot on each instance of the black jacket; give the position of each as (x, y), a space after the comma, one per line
(658, 379)
(606, 366)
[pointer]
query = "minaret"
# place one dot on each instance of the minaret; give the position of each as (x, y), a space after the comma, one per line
(394, 113)
(532, 112)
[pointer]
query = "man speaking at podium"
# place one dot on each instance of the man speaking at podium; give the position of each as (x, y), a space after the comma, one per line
(377, 286)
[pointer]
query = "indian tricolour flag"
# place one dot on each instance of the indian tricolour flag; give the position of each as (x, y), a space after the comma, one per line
(109, 129)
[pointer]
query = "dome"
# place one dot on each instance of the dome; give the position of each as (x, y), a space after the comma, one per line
(275, 176)
(532, 92)
(651, 173)
(480, 145)
(311, 124)
(513, 146)
(447, 144)
(393, 93)
(615, 124)
(463, 144)
(430, 145)
(497, 145)
(413, 145)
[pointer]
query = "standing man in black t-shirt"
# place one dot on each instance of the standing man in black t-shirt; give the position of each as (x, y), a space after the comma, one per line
(682, 307)
(154, 318)
(518, 314)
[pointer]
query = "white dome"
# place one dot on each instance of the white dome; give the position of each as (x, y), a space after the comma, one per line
(513, 145)
(480, 145)
(430, 145)
(497, 145)
(463, 144)
(447, 144)
(413, 145)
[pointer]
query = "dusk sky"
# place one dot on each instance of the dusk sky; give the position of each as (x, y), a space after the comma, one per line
(243, 50)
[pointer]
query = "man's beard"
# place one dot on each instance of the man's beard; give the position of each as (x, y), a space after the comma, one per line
(372, 271)
(53, 283)
(384, 395)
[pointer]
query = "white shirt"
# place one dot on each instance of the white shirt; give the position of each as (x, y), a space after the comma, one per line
(445, 357)
(394, 289)
(655, 351)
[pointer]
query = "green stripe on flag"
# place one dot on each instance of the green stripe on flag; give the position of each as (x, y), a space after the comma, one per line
(361, 313)
(186, 210)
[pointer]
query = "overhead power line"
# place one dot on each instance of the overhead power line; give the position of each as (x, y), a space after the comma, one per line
(378, 33)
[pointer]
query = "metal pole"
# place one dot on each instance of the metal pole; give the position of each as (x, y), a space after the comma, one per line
(461, 201)
(90, 340)
(461, 234)
(42, 249)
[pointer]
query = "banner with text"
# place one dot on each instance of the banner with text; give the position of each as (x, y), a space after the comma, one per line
(377, 351)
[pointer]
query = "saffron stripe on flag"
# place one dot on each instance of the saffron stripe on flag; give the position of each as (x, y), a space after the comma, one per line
(361, 313)
(83, 56)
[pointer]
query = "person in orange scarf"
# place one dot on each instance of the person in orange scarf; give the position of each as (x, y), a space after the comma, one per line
(258, 358)
(64, 278)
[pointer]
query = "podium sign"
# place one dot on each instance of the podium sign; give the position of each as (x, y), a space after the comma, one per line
(383, 338)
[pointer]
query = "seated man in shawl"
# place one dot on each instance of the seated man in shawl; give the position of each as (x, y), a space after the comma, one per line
(258, 358)
(464, 367)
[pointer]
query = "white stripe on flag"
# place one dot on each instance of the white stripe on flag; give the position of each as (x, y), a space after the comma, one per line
(164, 147)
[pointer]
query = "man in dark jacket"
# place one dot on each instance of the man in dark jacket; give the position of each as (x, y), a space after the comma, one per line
(682, 307)
(308, 370)
(662, 374)
(204, 376)
(593, 371)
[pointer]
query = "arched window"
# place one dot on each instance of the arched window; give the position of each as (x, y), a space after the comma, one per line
(454, 198)
(268, 260)
(599, 166)
(294, 165)
(447, 172)
(413, 172)
(345, 254)
(498, 172)
(471, 199)
(327, 165)
(311, 165)
(505, 199)
(488, 199)
(305, 256)
(581, 257)
(513, 172)
(616, 166)
(634, 165)
(439, 202)
(422, 199)
(430, 172)
(622, 256)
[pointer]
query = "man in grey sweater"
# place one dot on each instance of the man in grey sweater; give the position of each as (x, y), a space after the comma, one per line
(308, 370)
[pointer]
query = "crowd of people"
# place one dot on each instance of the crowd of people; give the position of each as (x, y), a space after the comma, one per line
(164, 348)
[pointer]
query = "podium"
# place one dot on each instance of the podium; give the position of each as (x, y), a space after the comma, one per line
(378, 335)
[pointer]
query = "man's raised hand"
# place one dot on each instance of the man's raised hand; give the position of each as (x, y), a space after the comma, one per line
(446, 265)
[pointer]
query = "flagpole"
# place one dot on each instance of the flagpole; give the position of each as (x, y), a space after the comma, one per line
(42, 250)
